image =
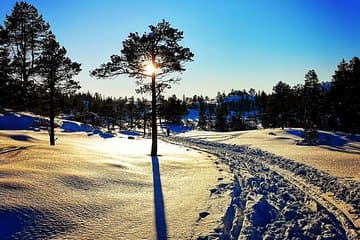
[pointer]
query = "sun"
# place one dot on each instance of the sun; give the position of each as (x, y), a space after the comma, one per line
(150, 68)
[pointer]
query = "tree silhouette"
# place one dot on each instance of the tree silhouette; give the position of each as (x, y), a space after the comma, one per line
(282, 93)
(26, 31)
(5, 69)
(345, 96)
(311, 96)
(57, 71)
(155, 54)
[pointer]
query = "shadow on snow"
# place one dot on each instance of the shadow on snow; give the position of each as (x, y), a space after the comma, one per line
(161, 228)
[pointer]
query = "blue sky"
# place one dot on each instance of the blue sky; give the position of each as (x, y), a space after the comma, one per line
(237, 44)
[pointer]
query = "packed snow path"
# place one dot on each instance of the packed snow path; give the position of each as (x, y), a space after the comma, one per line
(277, 198)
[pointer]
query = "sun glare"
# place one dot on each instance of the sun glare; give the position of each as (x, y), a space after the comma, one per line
(150, 68)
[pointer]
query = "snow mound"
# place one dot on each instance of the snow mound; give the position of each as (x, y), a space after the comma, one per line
(130, 133)
(177, 128)
(72, 126)
(14, 121)
(193, 115)
(329, 138)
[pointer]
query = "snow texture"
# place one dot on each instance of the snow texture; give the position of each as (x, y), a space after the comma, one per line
(278, 198)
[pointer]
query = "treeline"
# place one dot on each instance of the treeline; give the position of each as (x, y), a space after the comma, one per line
(123, 112)
(333, 105)
(228, 112)
(37, 76)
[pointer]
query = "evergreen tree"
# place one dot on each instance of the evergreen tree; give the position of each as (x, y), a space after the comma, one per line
(143, 112)
(311, 96)
(344, 95)
(202, 114)
(298, 107)
(5, 70)
(131, 111)
(57, 72)
(282, 95)
(154, 54)
(221, 117)
(108, 112)
(172, 109)
(26, 30)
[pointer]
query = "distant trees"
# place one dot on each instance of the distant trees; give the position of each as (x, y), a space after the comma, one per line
(221, 117)
(172, 109)
(314, 105)
(344, 96)
(202, 114)
(154, 54)
(57, 71)
(281, 102)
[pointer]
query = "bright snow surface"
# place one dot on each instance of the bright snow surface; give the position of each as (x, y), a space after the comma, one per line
(87, 187)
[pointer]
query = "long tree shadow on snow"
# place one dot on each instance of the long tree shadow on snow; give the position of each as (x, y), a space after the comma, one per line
(161, 228)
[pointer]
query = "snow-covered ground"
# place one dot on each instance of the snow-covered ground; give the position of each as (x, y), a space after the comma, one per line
(239, 185)
(275, 197)
(88, 187)
(337, 153)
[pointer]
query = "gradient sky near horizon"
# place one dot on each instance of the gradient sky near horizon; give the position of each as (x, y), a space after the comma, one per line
(237, 44)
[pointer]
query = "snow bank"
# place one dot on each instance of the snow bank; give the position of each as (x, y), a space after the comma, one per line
(13, 121)
(176, 128)
(328, 138)
(193, 115)
(72, 126)
(130, 133)
(17, 121)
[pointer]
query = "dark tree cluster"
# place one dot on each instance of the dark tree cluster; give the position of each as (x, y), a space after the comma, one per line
(172, 109)
(227, 112)
(34, 69)
(333, 105)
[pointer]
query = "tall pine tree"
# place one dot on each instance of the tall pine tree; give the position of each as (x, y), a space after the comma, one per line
(311, 98)
(5, 70)
(57, 71)
(156, 55)
(26, 30)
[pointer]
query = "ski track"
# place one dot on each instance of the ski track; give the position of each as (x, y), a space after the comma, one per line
(278, 198)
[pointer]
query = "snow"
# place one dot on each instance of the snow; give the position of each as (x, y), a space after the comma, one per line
(130, 133)
(328, 138)
(278, 198)
(15, 121)
(110, 188)
(176, 128)
(337, 153)
(27, 121)
(237, 98)
(193, 115)
(93, 188)
(72, 126)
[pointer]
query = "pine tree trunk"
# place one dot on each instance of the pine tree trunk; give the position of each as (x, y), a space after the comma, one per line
(153, 117)
(52, 116)
(145, 122)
